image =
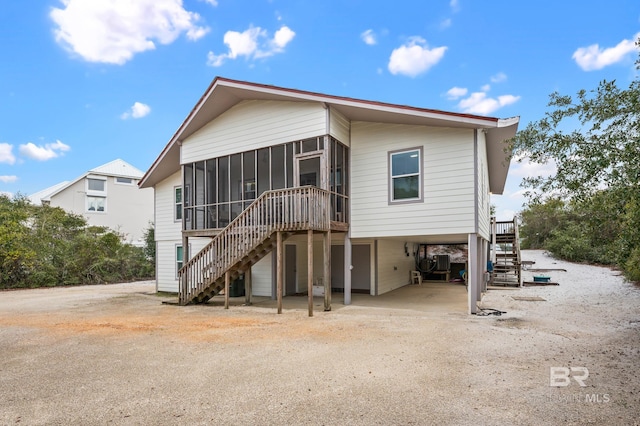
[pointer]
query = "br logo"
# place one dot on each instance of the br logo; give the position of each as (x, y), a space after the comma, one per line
(561, 376)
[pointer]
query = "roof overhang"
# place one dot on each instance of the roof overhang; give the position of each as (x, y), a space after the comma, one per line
(499, 152)
(222, 94)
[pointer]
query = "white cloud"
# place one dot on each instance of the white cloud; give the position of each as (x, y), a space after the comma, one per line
(138, 110)
(479, 103)
(414, 57)
(523, 167)
(593, 57)
(499, 78)
(6, 154)
(282, 37)
(8, 179)
(251, 43)
(454, 5)
(43, 153)
(445, 23)
(113, 31)
(211, 2)
(369, 37)
(456, 92)
(486, 88)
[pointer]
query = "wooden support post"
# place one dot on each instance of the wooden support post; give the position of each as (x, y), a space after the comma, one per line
(279, 272)
(310, 269)
(226, 289)
(248, 287)
(185, 285)
(327, 271)
(347, 268)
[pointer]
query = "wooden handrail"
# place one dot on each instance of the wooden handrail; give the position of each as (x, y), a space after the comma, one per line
(504, 227)
(290, 209)
(516, 243)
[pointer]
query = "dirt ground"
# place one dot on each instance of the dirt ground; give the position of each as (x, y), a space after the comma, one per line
(116, 355)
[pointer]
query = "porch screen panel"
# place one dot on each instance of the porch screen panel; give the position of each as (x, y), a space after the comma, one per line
(223, 179)
(212, 199)
(235, 170)
(199, 192)
(249, 175)
(187, 196)
(223, 215)
(277, 167)
(289, 164)
(264, 167)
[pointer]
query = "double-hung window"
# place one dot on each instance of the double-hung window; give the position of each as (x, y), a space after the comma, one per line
(405, 176)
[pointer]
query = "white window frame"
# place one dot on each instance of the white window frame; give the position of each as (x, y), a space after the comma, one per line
(175, 204)
(420, 174)
(89, 197)
(131, 183)
(94, 192)
(175, 257)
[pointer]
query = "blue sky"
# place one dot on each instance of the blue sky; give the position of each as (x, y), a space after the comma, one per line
(85, 82)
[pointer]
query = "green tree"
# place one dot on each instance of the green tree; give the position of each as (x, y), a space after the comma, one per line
(16, 254)
(150, 242)
(46, 246)
(539, 221)
(594, 140)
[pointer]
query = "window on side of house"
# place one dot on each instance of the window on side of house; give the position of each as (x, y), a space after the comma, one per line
(124, 181)
(178, 203)
(96, 185)
(179, 259)
(96, 204)
(405, 176)
(96, 194)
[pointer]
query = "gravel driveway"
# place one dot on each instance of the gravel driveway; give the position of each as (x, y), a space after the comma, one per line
(115, 355)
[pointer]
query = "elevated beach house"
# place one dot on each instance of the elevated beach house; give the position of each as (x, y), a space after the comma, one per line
(301, 192)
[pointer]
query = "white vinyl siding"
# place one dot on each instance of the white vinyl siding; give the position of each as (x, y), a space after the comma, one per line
(339, 127)
(484, 199)
(168, 233)
(394, 265)
(166, 227)
(166, 266)
(255, 124)
(449, 174)
(166, 272)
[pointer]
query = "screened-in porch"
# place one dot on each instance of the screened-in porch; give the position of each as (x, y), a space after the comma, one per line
(217, 190)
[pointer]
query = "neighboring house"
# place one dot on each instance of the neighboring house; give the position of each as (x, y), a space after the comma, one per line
(106, 196)
(323, 189)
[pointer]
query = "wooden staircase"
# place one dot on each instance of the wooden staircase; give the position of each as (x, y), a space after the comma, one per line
(507, 267)
(250, 236)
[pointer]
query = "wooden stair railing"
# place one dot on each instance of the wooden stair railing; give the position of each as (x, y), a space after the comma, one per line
(250, 236)
(507, 268)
